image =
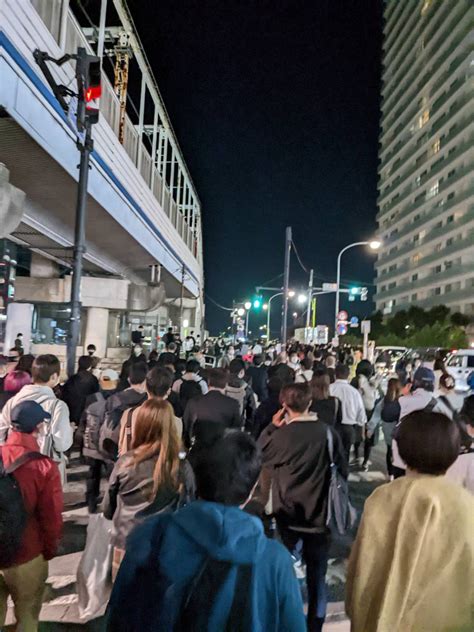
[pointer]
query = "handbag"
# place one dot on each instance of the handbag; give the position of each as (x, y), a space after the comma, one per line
(94, 573)
(341, 514)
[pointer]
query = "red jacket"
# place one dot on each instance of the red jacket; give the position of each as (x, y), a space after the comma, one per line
(40, 484)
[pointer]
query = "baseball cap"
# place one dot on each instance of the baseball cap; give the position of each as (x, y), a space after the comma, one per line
(109, 374)
(26, 416)
(423, 374)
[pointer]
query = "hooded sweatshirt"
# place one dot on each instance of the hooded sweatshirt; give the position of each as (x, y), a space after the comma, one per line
(59, 426)
(214, 557)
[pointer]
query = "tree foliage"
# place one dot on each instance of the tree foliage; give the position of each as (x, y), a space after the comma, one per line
(417, 327)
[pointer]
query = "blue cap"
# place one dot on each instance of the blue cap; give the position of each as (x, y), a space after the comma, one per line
(424, 374)
(27, 416)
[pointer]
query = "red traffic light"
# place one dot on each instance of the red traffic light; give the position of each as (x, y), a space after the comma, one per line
(92, 93)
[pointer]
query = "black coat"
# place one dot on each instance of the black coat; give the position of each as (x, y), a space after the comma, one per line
(76, 391)
(264, 413)
(297, 459)
(207, 417)
(258, 376)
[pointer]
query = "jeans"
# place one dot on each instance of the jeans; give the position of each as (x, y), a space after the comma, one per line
(25, 584)
(93, 481)
(315, 556)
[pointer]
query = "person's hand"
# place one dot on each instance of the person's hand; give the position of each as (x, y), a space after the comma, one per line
(278, 419)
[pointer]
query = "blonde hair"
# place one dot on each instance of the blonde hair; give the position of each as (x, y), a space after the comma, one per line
(155, 434)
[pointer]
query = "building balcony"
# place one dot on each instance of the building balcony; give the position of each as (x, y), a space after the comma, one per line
(443, 158)
(407, 147)
(424, 281)
(406, 71)
(448, 298)
(407, 93)
(428, 217)
(421, 200)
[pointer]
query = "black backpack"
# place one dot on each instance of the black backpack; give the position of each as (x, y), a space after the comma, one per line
(189, 390)
(13, 515)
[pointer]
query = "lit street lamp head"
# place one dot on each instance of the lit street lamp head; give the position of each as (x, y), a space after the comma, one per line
(375, 244)
(302, 298)
(247, 304)
(291, 293)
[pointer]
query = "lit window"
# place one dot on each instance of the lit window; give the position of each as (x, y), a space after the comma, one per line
(415, 258)
(423, 118)
(425, 6)
(436, 146)
(433, 190)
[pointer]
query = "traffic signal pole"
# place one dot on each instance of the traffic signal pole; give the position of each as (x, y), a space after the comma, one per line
(79, 250)
(88, 76)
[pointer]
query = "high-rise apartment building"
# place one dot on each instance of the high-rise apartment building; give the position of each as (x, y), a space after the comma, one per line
(426, 172)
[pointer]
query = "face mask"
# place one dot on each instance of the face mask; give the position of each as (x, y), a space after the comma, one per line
(231, 353)
(137, 351)
(294, 360)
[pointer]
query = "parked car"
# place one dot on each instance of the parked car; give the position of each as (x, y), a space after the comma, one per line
(460, 365)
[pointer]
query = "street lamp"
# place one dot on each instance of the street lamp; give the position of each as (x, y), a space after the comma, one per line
(373, 244)
(247, 305)
(302, 298)
(291, 293)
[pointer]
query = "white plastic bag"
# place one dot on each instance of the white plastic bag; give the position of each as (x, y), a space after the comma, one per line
(94, 574)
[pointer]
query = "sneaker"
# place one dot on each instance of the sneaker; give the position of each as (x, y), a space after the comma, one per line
(365, 467)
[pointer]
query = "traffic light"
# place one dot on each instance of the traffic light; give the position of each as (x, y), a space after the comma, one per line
(257, 304)
(89, 88)
(363, 293)
(355, 290)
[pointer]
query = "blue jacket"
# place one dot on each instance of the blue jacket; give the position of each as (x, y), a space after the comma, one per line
(168, 551)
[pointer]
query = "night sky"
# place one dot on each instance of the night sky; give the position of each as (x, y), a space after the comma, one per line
(276, 107)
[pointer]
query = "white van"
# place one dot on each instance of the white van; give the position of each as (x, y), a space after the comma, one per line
(460, 364)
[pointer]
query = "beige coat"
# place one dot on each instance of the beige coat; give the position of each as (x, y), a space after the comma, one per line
(412, 565)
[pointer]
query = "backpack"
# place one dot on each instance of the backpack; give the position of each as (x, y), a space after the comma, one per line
(94, 418)
(13, 515)
(189, 389)
(110, 430)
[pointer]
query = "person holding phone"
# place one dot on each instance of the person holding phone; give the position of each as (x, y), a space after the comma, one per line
(295, 456)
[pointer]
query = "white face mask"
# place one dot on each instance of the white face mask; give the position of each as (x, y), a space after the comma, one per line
(231, 353)
(294, 360)
(137, 351)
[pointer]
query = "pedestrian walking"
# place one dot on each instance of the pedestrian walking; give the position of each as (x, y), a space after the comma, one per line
(257, 375)
(206, 418)
(31, 516)
(79, 387)
(295, 453)
(411, 564)
(148, 478)
(12, 385)
(327, 407)
(56, 436)
(209, 565)
(353, 410)
(387, 413)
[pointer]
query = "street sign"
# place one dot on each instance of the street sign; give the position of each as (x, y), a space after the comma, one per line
(341, 328)
(322, 334)
(365, 326)
(354, 321)
(343, 315)
(329, 287)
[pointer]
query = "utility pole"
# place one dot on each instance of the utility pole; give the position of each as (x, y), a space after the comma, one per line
(310, 294)
(286, 284)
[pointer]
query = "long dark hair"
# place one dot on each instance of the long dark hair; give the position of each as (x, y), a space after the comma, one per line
(394, 387)
(320, 386)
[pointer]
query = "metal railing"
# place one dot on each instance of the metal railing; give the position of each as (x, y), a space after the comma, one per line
(136, 150)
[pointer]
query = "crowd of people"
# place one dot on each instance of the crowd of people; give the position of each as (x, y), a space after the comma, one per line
(219, 480)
